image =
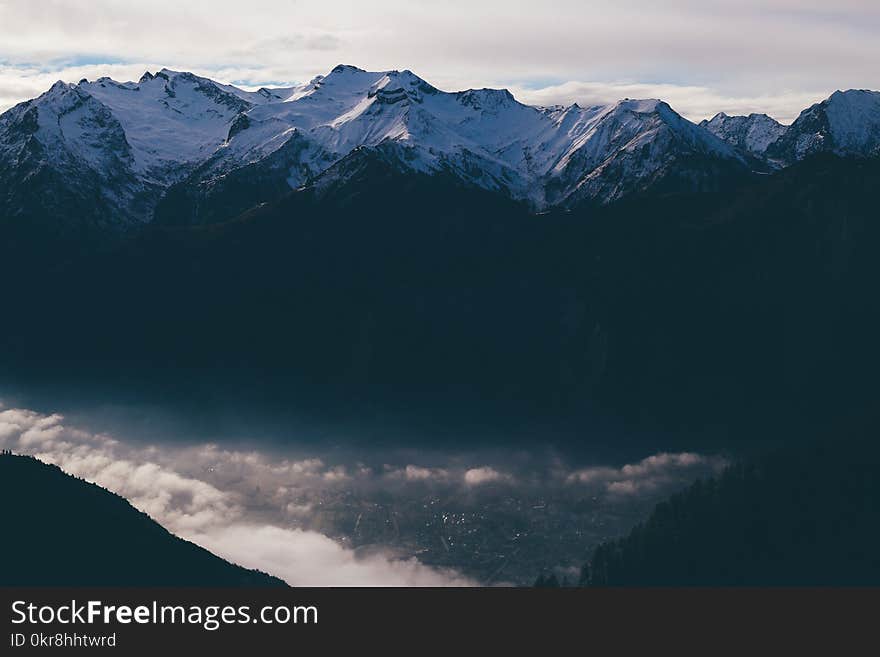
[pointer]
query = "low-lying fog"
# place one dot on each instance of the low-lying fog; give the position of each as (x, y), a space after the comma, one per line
(340, 512)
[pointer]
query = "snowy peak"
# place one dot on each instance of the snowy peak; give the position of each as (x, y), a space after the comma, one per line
(847, 123)
(66, 125)
(647, 117)
(600, 132)
(854, 120)
(172, 119)
(646, 106)
(630, 147)
(486, 99)
(65, 161)
(750, 134)
(351, 108)
(174, 133)
(179, 127)
(345, 69)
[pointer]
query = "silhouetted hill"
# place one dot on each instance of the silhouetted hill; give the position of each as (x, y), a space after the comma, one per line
(797, 517)
(62, 531)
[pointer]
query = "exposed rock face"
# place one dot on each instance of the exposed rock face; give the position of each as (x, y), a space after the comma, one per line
(846, 124)
(751, 134)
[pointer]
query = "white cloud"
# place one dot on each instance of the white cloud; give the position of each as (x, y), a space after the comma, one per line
(693, 102)
(416, 473)
(216, 516)
(311, 559)
(274, 512)
(484, 475)
(653, 473)
(413, 473)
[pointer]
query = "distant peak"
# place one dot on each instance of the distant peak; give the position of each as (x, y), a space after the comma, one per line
(853, 94)
(481, 98)
(404, 76)
(645, 106)
(347, 68)
(167, 74)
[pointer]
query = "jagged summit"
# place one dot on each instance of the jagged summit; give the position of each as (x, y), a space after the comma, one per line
(751, 134)
(347, 68)
(174, 133)
(514, 148)
(486, 95)
(637, 105)
(854, 120)
(847, 123)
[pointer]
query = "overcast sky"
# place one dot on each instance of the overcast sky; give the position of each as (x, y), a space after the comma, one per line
(703, 56)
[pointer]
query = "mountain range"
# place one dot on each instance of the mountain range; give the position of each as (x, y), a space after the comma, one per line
(367, 241)
(105, 158)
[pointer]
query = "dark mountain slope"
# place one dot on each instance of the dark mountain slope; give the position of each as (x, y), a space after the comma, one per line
(62, 531)
(202, 199)
(761, 306)
(803, 517)
(738, 309)
(397, 282)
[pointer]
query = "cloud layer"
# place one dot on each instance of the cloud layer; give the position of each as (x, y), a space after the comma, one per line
(219, 519)
(704, 57)
(314, 522)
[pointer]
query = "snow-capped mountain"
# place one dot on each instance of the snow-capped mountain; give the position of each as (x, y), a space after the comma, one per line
(171, 120)
(176, 147)
(545, 156)
(483, 136)
(66, 153)
(194, 140)
(751, 134)
(631, 147)
(847, 123)
(103, 152)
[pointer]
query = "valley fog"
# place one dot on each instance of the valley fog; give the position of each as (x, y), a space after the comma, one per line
(316, 504)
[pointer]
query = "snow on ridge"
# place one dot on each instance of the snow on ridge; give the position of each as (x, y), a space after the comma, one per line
(753, 133)
(854, 118)
(176, 123)
(846, 123)
(171, 120)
